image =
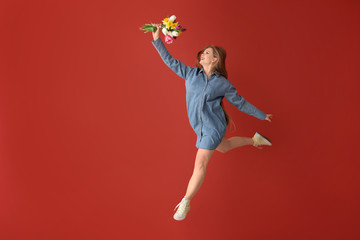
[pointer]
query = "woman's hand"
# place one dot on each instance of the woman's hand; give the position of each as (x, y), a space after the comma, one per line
(268, 117)
(157, 32)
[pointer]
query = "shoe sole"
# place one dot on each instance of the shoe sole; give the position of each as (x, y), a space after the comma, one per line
(265, 138)
(180, 219)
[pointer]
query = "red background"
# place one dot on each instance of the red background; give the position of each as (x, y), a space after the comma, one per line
(95, 142)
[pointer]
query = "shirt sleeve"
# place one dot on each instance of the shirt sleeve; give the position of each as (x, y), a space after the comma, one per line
(177, 66)
(235, 99)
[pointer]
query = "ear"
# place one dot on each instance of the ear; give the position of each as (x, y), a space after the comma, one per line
(214, 60)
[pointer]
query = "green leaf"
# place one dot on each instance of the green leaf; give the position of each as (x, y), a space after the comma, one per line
(148, 28)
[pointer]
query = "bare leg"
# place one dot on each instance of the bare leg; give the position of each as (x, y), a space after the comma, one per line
(234, 142)
(202, 159)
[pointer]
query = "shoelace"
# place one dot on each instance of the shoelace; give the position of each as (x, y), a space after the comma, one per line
(257, 143)
(181, 206)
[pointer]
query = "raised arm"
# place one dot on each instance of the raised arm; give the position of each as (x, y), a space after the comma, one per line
(177, 66)
(235, 99)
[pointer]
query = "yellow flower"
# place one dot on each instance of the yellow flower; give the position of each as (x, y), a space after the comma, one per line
(173, 25)
(169, 24)
(165, 21)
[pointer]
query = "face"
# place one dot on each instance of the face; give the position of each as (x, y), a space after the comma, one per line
(207, 57)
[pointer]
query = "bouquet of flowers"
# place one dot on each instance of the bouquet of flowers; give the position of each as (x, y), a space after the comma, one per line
(169, 27)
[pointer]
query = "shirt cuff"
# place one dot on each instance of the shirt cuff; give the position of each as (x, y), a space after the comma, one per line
(156, 42)
(262, 115)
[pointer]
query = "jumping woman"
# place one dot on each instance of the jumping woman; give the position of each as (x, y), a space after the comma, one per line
(206, 86)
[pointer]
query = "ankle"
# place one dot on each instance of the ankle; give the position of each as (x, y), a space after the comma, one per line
(252, 141)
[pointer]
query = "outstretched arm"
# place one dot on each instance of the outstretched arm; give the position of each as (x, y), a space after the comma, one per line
(235, 99)
(177, 66)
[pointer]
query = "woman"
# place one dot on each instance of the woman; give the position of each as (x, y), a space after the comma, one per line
(206, 86)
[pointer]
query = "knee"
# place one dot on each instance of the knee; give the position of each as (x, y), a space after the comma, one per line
(202, 159)
(224, 146)
(222, 149)
(201, 164)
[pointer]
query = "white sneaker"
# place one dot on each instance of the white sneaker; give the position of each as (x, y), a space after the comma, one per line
(260, 140)
(183, 209)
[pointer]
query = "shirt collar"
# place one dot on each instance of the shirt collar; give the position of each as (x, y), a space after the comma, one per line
(216, 73)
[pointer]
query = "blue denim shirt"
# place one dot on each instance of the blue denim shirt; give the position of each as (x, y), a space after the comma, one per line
(203, 98)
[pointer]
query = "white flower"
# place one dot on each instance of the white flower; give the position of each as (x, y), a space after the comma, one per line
(172, 18)
(164, 31)
(170, 33)
(175, 33)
